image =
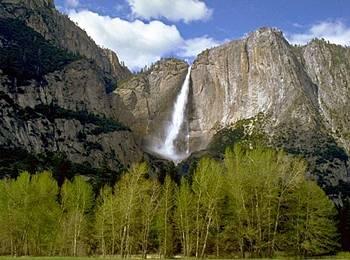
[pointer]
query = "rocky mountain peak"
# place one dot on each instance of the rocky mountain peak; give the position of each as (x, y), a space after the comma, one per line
(297, 95)
(42, 17)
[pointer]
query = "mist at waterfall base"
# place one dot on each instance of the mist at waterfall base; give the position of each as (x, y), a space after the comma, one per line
(168, 148)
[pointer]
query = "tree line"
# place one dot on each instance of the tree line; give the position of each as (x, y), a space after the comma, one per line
(256, 203)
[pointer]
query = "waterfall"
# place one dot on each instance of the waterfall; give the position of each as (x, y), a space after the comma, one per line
(168, 148)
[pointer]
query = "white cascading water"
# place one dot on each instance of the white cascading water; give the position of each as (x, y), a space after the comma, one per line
(168, 148)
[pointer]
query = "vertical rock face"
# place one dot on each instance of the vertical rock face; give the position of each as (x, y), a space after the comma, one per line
(60, 92)
(150, 97)
(328, 66)
(243, 78)
(41, 16)
(302, 93)
(55, 91)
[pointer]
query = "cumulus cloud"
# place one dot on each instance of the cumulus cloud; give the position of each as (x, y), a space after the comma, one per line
(334, 31)
(71, 3)
(194, 46)
(175, 10)
(138, 43)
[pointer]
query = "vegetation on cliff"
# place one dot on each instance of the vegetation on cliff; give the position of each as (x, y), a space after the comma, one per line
(26, 55)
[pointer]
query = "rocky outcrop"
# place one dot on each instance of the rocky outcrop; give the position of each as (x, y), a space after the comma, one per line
(243, 78)
(31, 3)
(55, 98)
(150, 97)
(62, 93)
(299, 95)
(328, 66)
(57, 28)
(76, 90)
(300, 91)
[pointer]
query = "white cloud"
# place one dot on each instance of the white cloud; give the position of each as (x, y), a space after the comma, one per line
(333, 31)
(71, 3)
(194, 46)
(138, 43)
(173, 10)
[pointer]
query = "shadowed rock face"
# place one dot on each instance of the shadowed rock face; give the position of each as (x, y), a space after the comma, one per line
(150, 97)
(55, 90)
(41, 16)
(83, 102)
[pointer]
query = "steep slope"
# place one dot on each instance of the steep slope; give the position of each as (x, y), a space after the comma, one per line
(286, 93)
(245, 77)
(328, 66)
(150, 97)
(42, 17)
(55, 93)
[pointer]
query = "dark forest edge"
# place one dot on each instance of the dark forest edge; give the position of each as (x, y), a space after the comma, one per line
(256, 203)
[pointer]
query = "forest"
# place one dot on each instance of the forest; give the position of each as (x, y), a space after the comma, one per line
(254, 203)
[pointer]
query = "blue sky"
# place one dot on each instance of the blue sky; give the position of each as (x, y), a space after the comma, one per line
(142, 31)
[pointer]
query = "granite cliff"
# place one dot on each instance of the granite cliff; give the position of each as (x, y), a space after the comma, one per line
(61, 93)
(295, 97)
(149, 96)
(258, 87)
(56, 95)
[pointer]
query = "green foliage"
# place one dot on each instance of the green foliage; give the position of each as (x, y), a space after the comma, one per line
(185, 217)
(76, 204)
(343, 255)
(28, 215)
(14, 161)
(247, 132)
(125, 218)
(165, 218)
(51, 112)
(207, 191)
(262, 184)
(311, 225)
(255, 204)
(26, 55)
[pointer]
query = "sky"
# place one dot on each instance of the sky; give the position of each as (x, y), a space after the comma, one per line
(143, 31)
